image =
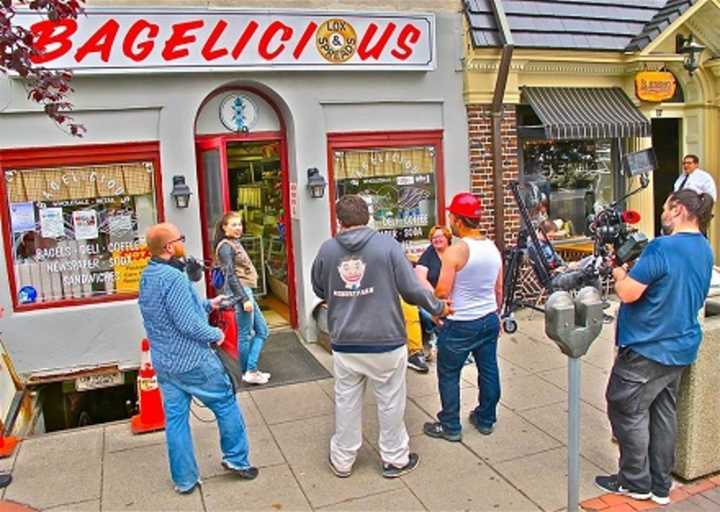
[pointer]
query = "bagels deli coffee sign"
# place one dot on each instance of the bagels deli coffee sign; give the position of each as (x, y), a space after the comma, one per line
(107, 41)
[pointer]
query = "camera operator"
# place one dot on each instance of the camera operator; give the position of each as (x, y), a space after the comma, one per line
(658, 336)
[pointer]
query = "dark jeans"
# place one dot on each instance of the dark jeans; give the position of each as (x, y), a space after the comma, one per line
(642, 407)
(456, 340)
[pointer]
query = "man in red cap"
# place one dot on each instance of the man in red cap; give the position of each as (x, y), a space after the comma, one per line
(471, 277)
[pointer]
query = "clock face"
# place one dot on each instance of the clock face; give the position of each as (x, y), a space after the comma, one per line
(238, 113)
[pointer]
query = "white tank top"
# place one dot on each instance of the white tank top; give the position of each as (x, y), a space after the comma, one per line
(473, 294)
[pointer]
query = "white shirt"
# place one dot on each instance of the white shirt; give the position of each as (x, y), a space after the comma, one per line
(473, 293)
(699, 181)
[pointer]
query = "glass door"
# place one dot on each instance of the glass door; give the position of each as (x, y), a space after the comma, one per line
(214, 200)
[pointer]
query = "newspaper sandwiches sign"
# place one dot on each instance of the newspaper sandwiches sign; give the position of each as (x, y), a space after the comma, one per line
(112, 40)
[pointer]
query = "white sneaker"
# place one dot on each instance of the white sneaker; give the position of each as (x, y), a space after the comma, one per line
(254, 378)
(660, 500)
(267, 375)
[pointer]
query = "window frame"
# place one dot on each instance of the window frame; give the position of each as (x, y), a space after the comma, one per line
(77, 155)
(619, 180)
(338, 141)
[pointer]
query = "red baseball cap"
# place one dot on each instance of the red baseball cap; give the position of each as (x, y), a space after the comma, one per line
(467, 205)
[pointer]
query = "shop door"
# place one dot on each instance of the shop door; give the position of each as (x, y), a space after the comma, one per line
(250, 176)
(666, 141)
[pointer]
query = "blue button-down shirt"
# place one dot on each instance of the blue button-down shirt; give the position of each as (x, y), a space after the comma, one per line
(175, 319)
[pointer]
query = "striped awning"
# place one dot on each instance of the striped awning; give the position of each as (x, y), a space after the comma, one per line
(586, 112)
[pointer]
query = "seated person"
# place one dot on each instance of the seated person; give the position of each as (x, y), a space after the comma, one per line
(544, 233)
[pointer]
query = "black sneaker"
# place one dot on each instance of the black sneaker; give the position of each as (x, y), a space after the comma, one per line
(250, 473)
(390, 471)
(486, 431)
(435, 429)
(337, 472)
(5, 479)
(417, 362)
(609, 483)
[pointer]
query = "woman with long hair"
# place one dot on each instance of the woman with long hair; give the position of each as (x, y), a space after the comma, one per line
(240, 278)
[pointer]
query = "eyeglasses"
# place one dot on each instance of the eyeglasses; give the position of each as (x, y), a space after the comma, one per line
(688, 162)
(180, 239)
(437, 238)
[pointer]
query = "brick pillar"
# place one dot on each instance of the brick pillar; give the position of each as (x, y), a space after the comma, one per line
(481, 165)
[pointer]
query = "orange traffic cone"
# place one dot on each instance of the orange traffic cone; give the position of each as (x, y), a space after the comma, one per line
(7, 444)
(151, 417)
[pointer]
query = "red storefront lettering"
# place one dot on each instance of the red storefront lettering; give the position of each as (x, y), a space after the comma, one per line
(173, 46)
(249, 31)
(409, 35)
(144, 48)
(273, 29)
(208, 51)
(100, 42)
(309, 31)
(363, 49)
(46, 34)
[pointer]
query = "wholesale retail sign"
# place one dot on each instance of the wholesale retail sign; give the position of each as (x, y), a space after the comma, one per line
(140, 40)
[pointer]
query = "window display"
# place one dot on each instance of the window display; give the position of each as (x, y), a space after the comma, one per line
(78, 232)
(567, 178)
(399, 187)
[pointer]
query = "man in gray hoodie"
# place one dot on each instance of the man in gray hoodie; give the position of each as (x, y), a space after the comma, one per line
(361, 274)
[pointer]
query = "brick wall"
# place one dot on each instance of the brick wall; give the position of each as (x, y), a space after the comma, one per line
(481, 165)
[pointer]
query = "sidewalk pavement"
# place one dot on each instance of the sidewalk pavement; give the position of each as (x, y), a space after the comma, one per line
(520, 467)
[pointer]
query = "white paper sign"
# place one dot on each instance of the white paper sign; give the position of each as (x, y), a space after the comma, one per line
(22, 217)
(86, 225)
(120, 224)
(51, 223)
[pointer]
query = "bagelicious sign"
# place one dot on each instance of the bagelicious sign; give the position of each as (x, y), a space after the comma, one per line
(655, 86)
(119, 40)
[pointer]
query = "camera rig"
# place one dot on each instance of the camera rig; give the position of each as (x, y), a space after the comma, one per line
(609, 226)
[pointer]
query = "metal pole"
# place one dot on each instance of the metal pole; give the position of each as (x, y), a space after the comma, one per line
(573, 433)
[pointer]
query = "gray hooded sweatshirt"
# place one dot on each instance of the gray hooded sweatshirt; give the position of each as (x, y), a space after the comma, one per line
(362, 274)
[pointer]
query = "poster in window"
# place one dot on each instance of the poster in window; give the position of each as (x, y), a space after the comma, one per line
(52, 224)
(22, 217)
(86, 224)
(120, 224)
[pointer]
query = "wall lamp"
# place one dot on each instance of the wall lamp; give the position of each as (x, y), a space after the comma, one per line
(180, 192)
(315, 183)
(691, 50)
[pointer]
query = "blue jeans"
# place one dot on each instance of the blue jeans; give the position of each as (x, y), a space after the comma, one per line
(252, 333)
(211, 385)
(458, 339)
(428, 326)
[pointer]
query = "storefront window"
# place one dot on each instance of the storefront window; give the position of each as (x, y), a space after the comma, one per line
(566, 178)
(78, 232)
(399, 186)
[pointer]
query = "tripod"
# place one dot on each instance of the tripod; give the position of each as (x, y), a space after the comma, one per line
(514, 258)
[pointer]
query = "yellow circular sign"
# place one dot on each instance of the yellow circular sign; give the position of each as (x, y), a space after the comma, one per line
(336, 40)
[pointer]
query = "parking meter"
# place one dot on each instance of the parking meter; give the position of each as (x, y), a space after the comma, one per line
(573, 324)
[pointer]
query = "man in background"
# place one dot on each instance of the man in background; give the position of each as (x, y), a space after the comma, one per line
(176, 323)
(695, 178)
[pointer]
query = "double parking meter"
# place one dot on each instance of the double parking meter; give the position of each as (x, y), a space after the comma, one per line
(573, 324)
